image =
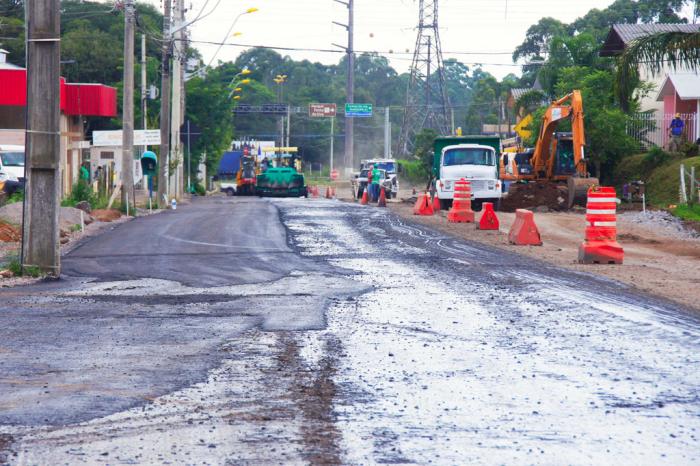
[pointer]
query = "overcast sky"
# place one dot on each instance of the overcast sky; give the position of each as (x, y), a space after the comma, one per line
(472, 31)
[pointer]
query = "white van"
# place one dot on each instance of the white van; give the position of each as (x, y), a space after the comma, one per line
(12, 162)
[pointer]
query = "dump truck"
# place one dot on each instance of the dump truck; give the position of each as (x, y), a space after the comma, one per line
(281, 182)
(474, 158)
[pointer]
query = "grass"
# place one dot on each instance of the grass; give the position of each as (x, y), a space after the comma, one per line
(16, 268)
(75, 228)
(687, 212)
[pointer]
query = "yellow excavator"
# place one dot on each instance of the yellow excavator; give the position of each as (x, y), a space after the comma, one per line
(557, 159)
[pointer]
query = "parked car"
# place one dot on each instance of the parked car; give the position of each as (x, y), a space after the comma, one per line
(12, 168)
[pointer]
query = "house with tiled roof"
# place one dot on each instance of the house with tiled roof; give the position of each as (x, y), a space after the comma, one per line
(675, 91)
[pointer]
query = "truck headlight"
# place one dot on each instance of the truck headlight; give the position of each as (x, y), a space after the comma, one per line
(491, 185)
(448, 186)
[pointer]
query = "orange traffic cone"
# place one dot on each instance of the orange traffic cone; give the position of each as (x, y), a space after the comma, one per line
(489, 219)
(365, 198)
(461, 211)
(382, 198)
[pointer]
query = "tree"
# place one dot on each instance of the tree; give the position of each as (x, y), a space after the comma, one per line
(606, 124)
(538, 37)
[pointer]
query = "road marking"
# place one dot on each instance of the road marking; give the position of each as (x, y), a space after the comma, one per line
(229, 246)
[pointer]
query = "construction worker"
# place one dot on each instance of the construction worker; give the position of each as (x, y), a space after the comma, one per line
(376, 179)
(676, 132)
(369, 182)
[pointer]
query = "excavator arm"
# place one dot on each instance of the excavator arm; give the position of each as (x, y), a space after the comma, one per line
(544, 159)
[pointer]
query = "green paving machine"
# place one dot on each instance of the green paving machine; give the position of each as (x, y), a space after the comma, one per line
(281, 182)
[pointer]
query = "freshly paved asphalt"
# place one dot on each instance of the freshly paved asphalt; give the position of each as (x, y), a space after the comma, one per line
(248, 331)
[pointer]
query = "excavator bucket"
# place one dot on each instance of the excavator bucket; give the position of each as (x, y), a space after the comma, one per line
(578, 190)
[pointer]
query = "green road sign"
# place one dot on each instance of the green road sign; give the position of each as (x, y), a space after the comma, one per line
(358, 110)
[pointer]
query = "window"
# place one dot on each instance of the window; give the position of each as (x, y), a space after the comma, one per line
(107, 155)
(468, 157)
(12, 159)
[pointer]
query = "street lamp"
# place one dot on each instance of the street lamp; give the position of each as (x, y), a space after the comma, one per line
(235, 86)
(280, 79)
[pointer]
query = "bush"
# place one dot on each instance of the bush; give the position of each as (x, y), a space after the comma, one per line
(81, 191)
(199, 189)
(414, 171)
(690, 149)
(655, 158)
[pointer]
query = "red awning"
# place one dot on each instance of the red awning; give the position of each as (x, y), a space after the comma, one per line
(91, 100)
(76, 99)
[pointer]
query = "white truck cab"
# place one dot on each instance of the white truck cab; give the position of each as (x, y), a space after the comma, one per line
(475, 163)
(12, 162)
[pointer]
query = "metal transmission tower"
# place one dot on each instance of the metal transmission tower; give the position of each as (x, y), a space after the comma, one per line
(427, 105)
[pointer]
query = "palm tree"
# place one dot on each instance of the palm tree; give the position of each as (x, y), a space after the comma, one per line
(672, 49)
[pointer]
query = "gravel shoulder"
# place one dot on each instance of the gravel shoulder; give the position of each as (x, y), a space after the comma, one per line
(658, 259)
(661, 256)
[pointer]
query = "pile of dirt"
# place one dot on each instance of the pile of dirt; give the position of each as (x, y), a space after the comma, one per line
(9, 233)
(533, 195)
(106, 215)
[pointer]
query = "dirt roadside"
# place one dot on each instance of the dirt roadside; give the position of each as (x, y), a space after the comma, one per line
(658, 260)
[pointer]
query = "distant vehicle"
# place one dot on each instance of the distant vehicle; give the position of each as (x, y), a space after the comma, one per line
(391, 167)
(12, 168)
(474, 158)
(227, 175)
(281, 182)
(360, 183)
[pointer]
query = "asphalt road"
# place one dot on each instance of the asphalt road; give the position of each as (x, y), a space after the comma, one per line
(247, 331)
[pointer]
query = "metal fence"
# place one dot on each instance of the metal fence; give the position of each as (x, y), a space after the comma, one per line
(652, 129)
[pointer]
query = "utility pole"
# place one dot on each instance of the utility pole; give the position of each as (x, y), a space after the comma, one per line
(128, 107)
(40, 240)
(289, 119)
(163, 161)
(176, 122)
(332, 137)
(350, 84)
(387, 134)
(144, 88)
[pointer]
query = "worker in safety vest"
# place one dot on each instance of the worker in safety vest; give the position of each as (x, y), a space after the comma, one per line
(376, 178)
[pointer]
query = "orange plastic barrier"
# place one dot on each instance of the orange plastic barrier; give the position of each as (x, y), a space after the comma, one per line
(461, 211)
(524, 232)
(600, 245)
(382, 198)
(422, 205)
(436, 203)
(489, 219)
(365, 198)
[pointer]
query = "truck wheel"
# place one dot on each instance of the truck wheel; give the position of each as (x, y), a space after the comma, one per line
(230, 192)
(476, 205)
(445, 204)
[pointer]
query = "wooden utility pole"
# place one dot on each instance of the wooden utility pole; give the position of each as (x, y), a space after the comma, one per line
(350, 88)
(40, 240)
(176, 112)
(128, 107)
(350, 82)
(163, 160)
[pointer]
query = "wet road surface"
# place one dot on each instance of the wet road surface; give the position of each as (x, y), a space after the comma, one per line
(246, 331)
